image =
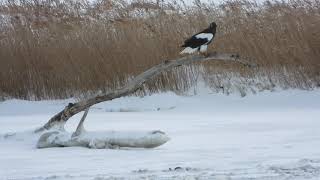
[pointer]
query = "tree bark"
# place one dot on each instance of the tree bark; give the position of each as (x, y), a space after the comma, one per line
(62, 117)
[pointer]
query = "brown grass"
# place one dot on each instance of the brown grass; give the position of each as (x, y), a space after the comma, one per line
(50, 51)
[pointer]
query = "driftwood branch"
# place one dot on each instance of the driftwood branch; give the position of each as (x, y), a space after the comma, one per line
(62, 117)
(80, 128)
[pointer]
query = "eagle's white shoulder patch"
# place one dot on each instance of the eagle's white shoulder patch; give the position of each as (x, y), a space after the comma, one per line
(207, 36)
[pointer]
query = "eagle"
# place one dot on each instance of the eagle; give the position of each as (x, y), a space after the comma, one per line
(200, 41)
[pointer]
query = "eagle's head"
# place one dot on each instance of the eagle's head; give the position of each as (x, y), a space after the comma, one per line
(213, 25)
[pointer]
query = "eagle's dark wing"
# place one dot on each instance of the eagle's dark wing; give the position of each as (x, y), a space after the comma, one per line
(194, 42)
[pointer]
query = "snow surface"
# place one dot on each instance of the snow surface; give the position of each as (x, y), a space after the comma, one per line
(271, 135)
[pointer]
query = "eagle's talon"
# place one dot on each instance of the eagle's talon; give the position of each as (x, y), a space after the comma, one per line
(236, 56)
(204, 54)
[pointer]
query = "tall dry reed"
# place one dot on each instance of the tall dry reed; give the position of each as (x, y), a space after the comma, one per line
(60, 49)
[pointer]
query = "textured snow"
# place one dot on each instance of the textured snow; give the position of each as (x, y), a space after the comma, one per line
(270, 135)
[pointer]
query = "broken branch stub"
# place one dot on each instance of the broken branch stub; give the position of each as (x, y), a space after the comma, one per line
(62, 117)
(80, 128)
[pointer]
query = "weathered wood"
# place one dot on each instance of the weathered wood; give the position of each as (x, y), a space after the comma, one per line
(60, 118)
(103, 139)
(80, 128)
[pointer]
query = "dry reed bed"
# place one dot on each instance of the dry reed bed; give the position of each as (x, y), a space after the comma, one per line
(53, 49)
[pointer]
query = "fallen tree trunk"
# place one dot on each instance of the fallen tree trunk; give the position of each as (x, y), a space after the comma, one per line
(62, 117)
(103, 139)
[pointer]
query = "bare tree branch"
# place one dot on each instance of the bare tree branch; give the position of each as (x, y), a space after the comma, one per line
(72, 109)
(80, 127)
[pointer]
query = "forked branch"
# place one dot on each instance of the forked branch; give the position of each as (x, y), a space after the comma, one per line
(72, 109)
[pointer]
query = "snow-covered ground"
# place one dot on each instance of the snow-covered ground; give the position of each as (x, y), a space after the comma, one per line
(270, 135)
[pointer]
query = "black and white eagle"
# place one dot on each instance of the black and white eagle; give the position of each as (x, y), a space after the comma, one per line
(199, 42)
